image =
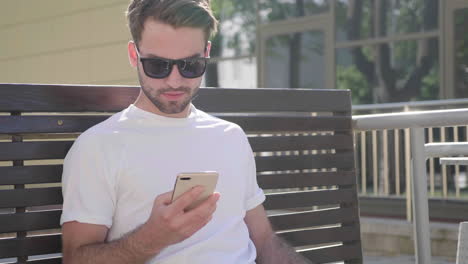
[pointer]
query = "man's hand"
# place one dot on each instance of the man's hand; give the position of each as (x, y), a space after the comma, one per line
(171, 223)
(270, 248)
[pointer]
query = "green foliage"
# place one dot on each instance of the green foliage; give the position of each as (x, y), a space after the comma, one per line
(351, 78)
(430, 85)
(243, 13)
(365, 22)
(461, 22)
(409, 16)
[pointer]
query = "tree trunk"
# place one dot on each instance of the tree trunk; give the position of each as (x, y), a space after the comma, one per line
(211, 76)
(295, 48)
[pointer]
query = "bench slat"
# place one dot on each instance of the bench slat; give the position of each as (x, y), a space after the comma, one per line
(34, 150)
(30, 174)
(53, 174)
(65, 98)
(55, 260)
(243, 100)
(53, 196)
(281, 163)
(30, 221)
(73, 124)
(48, 124)
(30, 197)
(307, 199)
(78, 98)
(313, 218)
(321, 236)
(285, 143)
(30, 246)
(58, 149)
(334, 254)
(51, 219)
(296, 180)
(279, 124)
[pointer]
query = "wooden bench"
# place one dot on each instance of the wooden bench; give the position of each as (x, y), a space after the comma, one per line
(302, 140)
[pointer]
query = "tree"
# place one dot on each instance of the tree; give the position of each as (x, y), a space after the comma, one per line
(244, 12)
(389, 84)
(364, 19)
(461, 53)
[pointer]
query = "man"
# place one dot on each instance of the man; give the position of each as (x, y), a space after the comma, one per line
(118, 176)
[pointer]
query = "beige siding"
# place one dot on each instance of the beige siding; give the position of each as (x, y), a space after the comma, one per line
(64, 41)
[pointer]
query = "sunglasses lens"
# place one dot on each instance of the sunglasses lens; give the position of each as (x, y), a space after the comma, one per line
(192, 68)
(156, 68)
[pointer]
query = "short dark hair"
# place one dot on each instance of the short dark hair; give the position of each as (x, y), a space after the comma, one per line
(177, 13)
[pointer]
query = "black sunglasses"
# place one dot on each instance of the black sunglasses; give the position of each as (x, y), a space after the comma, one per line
(160, 68)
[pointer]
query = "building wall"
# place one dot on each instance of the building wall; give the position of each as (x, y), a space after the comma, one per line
(71, 41)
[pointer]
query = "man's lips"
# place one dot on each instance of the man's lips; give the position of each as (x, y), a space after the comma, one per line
(173, 95)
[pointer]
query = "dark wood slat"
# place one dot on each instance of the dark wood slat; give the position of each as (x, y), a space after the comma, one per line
(321, 236)
(30, 174)
(349, 252)
(270, 100)
(77, 98)
(29, 246)
(47, 124)
(30, 221)
(34, 150)
(314, 218)
(296, 180)
(289, 124)
(284, 143)
(30, 197)
(281, 163)
(306, 199)
(65, 98)
(54, 260)
(74, 124)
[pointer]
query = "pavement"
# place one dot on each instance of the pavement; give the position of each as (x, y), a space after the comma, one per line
(402, 260)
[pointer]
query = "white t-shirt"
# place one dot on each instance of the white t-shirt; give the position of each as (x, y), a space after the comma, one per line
(115, 170)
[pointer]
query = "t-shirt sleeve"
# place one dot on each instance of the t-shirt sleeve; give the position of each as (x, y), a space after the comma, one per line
(88, 183)
(254, 194)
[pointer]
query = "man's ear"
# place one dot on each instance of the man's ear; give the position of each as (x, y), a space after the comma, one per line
(208, 49)
(132, 54)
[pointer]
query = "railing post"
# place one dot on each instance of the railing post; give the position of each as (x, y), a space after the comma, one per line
(422, 238)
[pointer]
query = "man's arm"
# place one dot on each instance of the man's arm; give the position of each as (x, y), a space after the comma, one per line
(85, 243)
(270, 248)
(168, 224)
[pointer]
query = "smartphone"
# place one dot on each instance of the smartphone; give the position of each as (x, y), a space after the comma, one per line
(186, 181)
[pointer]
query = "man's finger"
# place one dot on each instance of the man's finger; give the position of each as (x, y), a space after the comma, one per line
(207, 208)
(164, 199)
(187, 198)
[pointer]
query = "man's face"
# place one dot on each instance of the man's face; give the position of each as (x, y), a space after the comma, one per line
(170, 96)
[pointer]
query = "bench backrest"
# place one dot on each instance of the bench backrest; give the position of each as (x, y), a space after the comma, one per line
(302, 140)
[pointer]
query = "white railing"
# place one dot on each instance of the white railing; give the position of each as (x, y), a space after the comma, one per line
(407, 106)
(413, 125)
(383, 154)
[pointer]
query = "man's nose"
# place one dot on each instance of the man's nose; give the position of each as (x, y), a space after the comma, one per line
(174, 79)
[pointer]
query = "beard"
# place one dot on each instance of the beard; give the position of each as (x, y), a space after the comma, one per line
(165, 106)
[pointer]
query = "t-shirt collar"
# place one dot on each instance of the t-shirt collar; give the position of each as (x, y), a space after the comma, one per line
(134, 112)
